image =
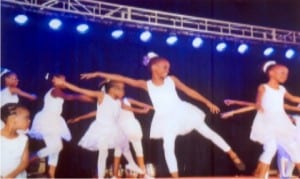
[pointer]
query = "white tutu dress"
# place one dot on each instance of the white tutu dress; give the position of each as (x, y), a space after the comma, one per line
(172, 115)
(273, 122)
(104, 132)
(7, 97)
(11, 154)
(129, 124)
(49, 122)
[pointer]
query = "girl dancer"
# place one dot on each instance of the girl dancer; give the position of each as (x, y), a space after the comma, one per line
(14, 147)
(10, 93)
(284, 163)
(130, 127)
(172, 116)
(49, 125)
(272, 126)
(104, 132)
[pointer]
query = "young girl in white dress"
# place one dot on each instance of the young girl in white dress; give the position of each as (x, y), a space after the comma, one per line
(284, 163)
(14, 146)
(130, 127)
(10, 93)
(49, 125)
(272, 126)
(172, 116)
(104, 133)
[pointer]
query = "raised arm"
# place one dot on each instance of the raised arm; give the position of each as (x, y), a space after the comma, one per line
(139, 104)
(83, 117)
(292, 98)
(230, 102)
(70, 97)
(292, 108)
(143, 110)
(195, 95)
(129, 81)
(24, 94)
(228, 114)
(22, 166)
(90, 93)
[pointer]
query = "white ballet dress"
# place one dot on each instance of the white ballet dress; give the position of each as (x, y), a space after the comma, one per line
(172, 115)
(48, 121)
(129, 124)
(104, 132)
(11, 154)
(7, 97)
(273, 122)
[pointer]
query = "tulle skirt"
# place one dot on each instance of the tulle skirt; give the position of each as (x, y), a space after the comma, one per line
(48, 124)
(179, 119)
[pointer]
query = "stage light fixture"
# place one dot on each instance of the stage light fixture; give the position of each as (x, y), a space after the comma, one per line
(290, 53)
(268, 51)
(116, 34)
(82, 28)
(55, 24)
(221, 46)
(21, 19)
(145, 36)
(197, 42)
(243, 48)
(171, 40)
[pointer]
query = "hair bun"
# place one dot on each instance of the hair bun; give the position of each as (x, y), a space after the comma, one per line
(148, 57)
(267, 65)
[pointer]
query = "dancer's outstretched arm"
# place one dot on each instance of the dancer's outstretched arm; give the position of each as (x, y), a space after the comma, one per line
(195, 95)
(292, 108)
(130, 81)
(91, 93)
(70, 97)
(83, 117)
(228, 114)
(24, 94)
(139, 104)
(292, 98)
(230, 102)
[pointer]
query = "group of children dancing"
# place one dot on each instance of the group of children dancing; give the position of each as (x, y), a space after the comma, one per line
(115, 124)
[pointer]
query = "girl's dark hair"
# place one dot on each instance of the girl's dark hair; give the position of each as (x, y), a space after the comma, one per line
(10, 109)
(6, 75)
(154, 60)
(107, 84)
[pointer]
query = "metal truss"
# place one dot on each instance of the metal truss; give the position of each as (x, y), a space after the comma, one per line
(158, 20)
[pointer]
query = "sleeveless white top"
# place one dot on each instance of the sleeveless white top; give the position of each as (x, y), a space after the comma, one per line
(11, 153)
(49, 121)
(273, 121)
(8, 97)
(53, 104)
(129, 124)
(104, 132)
(163, 97)
(172, 115)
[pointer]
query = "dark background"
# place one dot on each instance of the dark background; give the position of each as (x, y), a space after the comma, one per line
(34, 50)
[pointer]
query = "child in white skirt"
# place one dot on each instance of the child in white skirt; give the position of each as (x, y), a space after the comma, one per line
(49, 125)
(11, 92)
(284, 163)
(272, 126)
(172, 116)
(130, 128)
(104, 133)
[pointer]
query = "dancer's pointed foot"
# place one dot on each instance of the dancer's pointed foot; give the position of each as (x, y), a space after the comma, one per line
(239, 164)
